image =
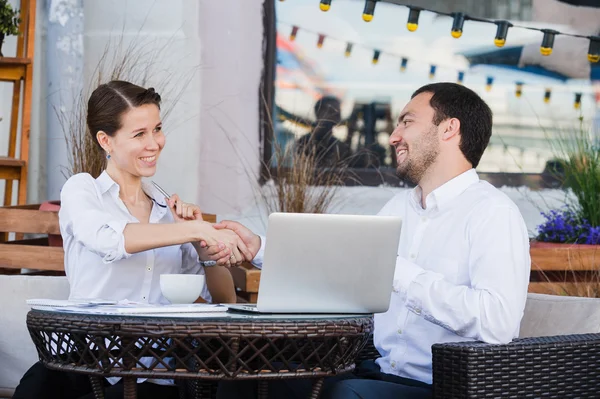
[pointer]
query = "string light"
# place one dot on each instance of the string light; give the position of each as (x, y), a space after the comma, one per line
(403, 63)
(577, 103)
(548, 41)
(348, 50)
(488, 83)
(457, 25)
(432, 71)
(321, 40)
(413, 18)
(376, 54)
(501, 33)
(594, 49)
(325, 5)
(519, 89)
(369, 10)
(294, 33)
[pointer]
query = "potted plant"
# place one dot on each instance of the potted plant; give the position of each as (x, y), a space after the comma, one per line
(9, 22)
(567, 245)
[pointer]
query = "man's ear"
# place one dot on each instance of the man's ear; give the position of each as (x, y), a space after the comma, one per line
(452, 129)
(103, 140)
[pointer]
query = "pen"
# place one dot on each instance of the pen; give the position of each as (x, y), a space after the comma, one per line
(163, 192)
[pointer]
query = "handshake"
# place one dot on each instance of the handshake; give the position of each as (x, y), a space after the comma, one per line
(228, 243)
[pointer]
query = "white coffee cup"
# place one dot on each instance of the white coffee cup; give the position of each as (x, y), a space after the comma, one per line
(181, 288)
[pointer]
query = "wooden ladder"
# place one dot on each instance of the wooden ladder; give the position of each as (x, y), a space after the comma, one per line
(19, 71)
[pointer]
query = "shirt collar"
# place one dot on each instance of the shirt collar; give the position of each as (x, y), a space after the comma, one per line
(445, 193)
(106, 183)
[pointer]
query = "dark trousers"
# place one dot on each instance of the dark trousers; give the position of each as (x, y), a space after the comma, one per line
(42, 383)
(366, 382)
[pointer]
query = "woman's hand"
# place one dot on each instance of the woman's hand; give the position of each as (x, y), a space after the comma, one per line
(182, 210)
(235, 252)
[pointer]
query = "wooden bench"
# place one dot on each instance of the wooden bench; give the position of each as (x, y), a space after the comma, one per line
(38, 257)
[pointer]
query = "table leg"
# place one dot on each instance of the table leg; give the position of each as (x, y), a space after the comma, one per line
(97, 387)
(129, 388)
(317, 386)
(263, 389)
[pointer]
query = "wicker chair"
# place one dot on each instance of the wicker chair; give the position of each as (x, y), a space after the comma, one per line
(566, 366)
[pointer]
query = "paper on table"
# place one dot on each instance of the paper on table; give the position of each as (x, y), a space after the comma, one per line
(136, 308)
(59, 303)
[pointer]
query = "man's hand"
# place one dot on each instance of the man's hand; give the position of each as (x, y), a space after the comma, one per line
(251, 240)
(233, 252)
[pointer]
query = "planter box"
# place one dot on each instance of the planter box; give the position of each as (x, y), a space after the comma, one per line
(561, 269)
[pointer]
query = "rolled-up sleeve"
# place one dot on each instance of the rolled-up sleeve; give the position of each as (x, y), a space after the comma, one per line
(82, 215)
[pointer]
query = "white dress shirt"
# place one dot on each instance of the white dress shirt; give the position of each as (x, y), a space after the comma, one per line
(461, 275)
(92, 218)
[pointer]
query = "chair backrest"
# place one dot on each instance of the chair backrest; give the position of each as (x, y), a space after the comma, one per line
(34, 253)
(548, 315)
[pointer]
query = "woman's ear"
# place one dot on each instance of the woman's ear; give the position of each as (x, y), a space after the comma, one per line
(103, 140)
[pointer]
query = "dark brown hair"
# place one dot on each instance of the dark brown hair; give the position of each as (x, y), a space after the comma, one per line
(111, 100)
(451, 100)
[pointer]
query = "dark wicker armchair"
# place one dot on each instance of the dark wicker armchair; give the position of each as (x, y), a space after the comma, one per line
(566, 366)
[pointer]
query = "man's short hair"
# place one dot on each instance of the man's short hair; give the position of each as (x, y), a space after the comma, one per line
(451, 100)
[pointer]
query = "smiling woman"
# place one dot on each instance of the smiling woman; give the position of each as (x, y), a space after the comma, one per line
(120, 234)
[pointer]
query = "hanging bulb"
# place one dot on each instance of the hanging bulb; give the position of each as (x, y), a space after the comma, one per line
(501, 33)
(413, 18)
(294, 33)
(461, 77)
(457, 25)
(548, 41)
(321, 40)
(577, 103)
(348, 50)
(369, 10)
(488, 83)
(403, 64)
(376, 54)
(547, 94)
(325, 5)
(432, 71)
(594, 49)
(519, 89)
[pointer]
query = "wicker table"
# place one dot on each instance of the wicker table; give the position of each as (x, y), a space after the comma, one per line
(202, 348)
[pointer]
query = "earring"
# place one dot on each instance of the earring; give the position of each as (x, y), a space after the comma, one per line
(108, 155)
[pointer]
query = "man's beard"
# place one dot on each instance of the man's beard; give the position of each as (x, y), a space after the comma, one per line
(414, 167)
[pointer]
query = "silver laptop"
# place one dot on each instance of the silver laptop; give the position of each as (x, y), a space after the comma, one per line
(317, 263)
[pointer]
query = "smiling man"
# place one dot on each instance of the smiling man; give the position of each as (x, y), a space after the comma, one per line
(463, 260)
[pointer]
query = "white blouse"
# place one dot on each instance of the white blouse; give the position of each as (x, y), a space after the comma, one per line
(92, 219)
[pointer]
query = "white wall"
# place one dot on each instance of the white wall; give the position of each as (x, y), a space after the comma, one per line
(211, 50)
(230, 73)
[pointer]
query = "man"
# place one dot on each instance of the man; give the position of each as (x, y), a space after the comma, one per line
(320, 143)
(463, 264)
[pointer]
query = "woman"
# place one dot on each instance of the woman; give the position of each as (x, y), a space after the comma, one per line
(120, 234)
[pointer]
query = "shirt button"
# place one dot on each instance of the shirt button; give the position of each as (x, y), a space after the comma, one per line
(423, 219)
(413, 256)
(399, 331)
(418, 310)
(393, 364)
(149, 269)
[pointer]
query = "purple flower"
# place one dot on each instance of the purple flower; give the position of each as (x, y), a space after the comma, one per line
(566, 226)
